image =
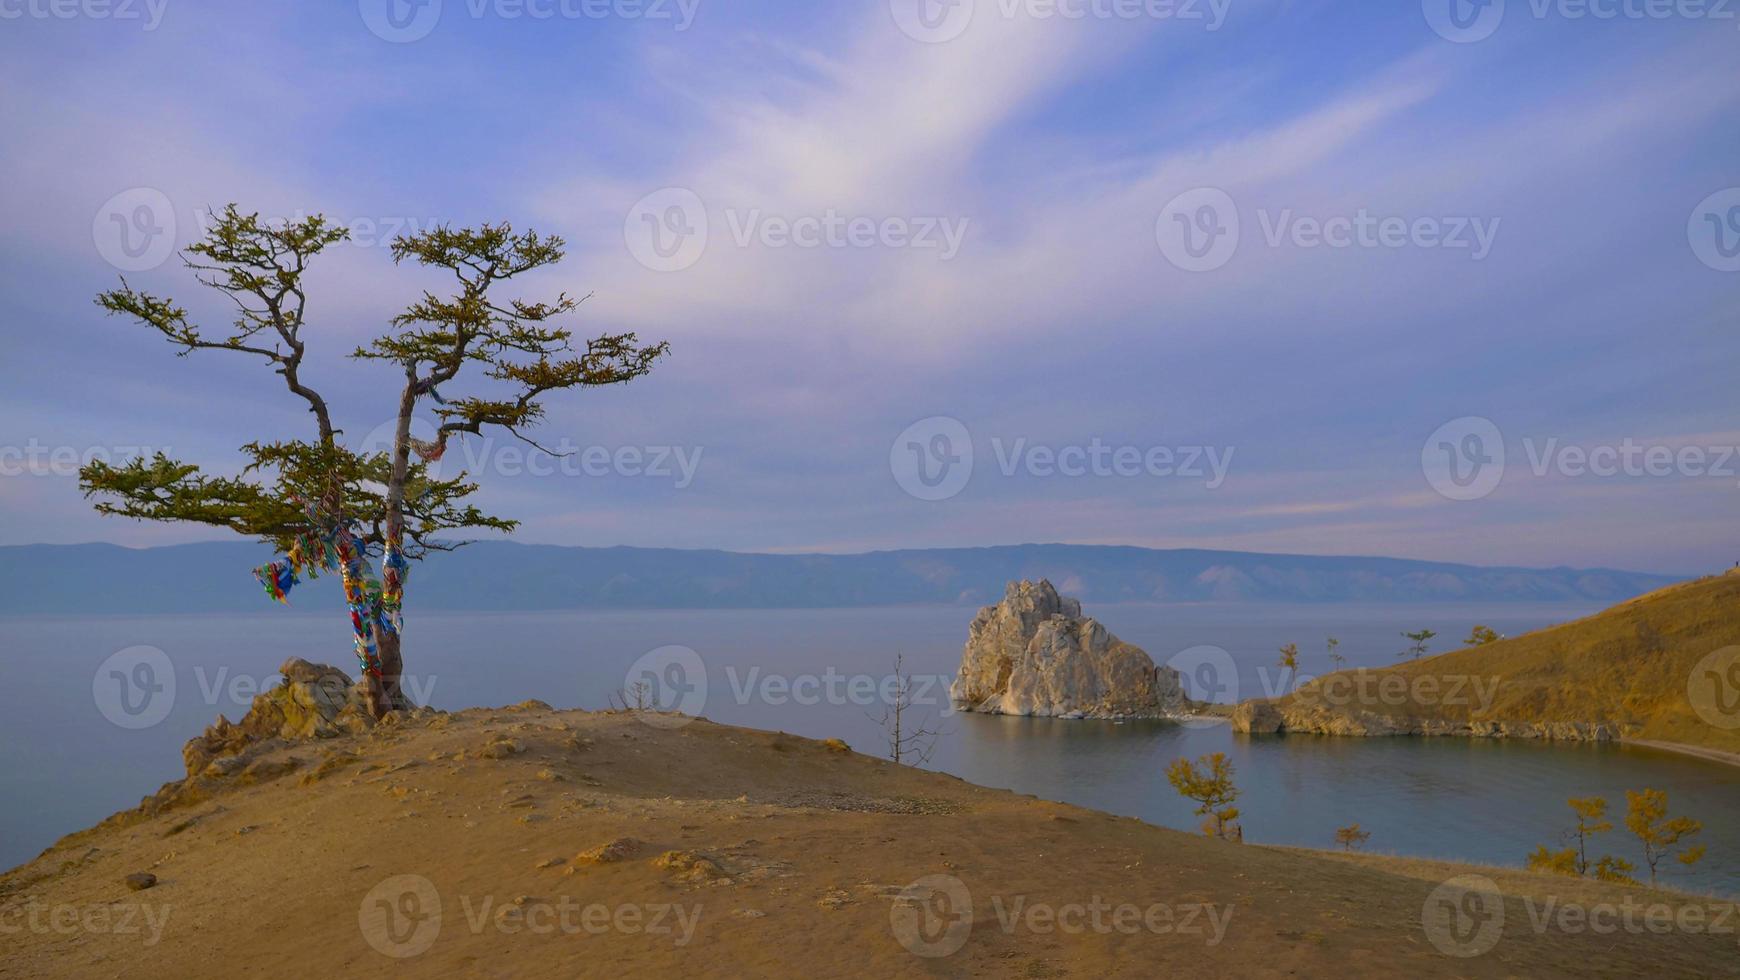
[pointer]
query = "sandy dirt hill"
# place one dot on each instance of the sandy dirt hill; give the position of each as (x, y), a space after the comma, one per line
(1663, 669)
(527, 842)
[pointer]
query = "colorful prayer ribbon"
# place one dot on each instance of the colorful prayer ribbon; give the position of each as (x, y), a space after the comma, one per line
(375, 604)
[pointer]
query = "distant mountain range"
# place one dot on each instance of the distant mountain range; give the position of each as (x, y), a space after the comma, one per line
(102, 578)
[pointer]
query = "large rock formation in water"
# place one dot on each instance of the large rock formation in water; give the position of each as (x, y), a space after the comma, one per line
(1035, 654)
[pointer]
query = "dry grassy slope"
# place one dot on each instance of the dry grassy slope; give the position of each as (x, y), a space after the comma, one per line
(806, 846)
(1628, 665)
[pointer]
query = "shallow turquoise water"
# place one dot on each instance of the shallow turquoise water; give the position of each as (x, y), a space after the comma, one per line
(64, 764)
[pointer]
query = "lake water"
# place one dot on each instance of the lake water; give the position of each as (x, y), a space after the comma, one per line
(75, 746)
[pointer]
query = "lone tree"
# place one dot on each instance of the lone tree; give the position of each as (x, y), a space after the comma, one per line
(1208, 782)
(1480, 636)
(1421, 640)
(328, 507)
(1290, 657)
(909, 741)
(1646, 817)
(1351, 837)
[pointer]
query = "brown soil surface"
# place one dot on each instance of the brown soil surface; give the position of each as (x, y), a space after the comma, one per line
(600, 844)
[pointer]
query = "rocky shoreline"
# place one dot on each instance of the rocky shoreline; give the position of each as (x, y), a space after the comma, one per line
(1270, 718)
(1267, 718)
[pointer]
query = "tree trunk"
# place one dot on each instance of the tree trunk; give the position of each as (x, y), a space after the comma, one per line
(386, 693)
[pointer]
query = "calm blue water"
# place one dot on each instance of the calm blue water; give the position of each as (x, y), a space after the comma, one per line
(64, 764)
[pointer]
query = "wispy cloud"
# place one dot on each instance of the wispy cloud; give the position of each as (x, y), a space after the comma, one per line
(1051, 147)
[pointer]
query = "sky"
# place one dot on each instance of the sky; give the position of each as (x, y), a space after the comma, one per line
(1412, 279)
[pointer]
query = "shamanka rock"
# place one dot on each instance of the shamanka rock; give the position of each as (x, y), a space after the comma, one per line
(1035, 654)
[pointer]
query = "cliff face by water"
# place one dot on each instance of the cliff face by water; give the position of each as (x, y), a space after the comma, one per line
(1273, 718)
(1034, 653)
